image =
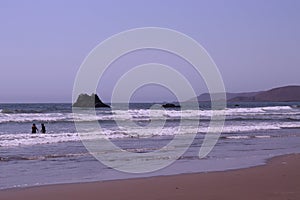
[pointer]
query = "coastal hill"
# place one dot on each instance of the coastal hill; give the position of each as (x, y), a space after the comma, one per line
(89, 101)
(206, 96)
(280, 94)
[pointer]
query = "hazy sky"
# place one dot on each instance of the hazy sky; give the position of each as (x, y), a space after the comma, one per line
(255, 44)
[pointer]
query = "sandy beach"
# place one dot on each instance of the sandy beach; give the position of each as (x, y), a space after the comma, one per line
(278, 179)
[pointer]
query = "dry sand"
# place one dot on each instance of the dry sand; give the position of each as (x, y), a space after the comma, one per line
(279, 179)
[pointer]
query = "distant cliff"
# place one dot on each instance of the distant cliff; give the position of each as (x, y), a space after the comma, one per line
(89, 101)
(206, 96)
(280, 94)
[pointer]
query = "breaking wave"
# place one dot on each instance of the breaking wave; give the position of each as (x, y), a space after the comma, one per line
(257, 113)
(10, 140)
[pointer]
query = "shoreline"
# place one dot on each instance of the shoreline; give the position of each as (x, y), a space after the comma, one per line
(279, 178)
(260, 162)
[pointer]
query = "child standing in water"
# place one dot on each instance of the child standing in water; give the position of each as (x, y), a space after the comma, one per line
(34, 128)
(43, 130)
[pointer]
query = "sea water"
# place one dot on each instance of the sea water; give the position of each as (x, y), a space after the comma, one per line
(253, 132)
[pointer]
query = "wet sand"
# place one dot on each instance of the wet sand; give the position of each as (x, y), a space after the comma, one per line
(278, 179)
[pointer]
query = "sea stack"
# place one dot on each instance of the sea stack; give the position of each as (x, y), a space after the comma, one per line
(170, 105)
(89, 101)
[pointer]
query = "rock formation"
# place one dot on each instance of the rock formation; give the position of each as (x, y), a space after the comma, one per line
(170, 105)
(89, 101)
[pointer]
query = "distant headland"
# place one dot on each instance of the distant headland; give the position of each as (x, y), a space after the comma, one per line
(280, 94)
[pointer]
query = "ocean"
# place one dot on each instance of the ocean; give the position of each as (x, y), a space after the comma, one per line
(253, 132)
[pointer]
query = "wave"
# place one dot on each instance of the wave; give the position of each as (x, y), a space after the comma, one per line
(142, 111)
(42, 157)
(20, 111)
(239, 137)
(257, 113)
(8, 140)
(280, 113)
(8, 111)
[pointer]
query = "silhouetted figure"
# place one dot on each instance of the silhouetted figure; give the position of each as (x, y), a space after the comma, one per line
(34, 129)
(43, 130)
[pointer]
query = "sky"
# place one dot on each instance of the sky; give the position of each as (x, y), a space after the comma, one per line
(255, 44)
